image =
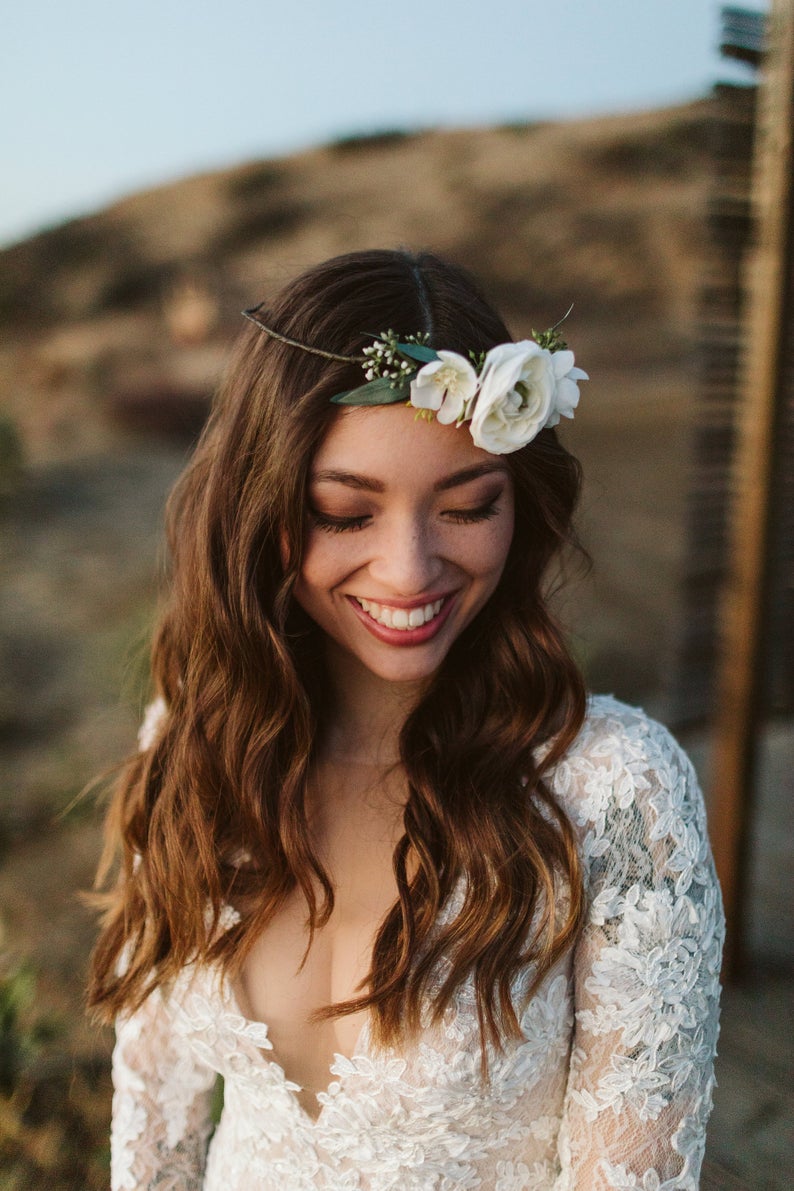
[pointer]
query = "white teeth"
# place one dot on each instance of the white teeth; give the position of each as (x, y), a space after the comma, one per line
(400, 618)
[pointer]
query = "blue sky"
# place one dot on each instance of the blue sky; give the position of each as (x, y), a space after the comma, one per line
(102, 97)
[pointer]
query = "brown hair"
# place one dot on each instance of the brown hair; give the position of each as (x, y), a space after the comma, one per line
(214, 811)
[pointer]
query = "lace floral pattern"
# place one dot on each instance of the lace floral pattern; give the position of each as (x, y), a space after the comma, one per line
(610, 1087)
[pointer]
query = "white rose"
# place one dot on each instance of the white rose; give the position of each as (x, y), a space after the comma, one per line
(517, 391)
(446, 385)
(566, 390)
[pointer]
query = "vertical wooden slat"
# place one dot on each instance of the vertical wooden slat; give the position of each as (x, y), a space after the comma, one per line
(729, 231)
(760, 386)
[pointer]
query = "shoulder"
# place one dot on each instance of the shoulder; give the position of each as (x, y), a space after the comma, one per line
(629, 787)
(154, 720)
(613, 728)
(623, 748)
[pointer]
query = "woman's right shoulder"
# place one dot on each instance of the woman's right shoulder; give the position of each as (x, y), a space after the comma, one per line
(154, 718)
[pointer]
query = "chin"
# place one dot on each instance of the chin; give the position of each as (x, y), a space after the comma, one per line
(403, 669)
(403, 674)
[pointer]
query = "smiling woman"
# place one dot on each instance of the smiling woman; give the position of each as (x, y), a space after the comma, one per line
(437, 919)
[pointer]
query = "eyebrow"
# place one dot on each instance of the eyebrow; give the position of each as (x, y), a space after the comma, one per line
(352, 479)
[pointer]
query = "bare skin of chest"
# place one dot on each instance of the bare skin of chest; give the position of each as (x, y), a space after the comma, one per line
(355, 838)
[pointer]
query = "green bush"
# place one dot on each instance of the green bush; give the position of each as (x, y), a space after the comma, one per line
(21, 1034)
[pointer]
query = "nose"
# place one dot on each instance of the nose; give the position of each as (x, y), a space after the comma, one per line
(408, 562)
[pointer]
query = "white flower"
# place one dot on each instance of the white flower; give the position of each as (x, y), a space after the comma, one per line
(566, 390)
(517, 392)
(446, 385)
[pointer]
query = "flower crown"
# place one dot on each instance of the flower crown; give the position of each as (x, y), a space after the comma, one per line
(507, 395)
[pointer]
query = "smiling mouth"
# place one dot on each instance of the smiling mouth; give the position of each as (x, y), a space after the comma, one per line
(402, 619)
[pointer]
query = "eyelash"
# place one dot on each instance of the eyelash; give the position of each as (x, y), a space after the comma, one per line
(338, 524)
(471, 516)
(352, 524)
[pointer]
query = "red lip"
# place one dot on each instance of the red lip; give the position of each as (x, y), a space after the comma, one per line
(420, 602)
(425, 632)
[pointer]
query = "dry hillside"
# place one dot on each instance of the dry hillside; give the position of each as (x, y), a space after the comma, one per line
(605, 214)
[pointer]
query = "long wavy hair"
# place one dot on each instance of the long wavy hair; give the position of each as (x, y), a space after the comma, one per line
(213, 813)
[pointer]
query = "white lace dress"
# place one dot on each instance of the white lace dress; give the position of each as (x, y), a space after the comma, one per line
(610, 1087)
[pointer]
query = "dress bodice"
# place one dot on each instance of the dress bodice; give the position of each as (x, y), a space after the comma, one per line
(608, 1087)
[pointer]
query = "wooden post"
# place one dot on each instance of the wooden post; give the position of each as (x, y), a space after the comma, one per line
(759, 393)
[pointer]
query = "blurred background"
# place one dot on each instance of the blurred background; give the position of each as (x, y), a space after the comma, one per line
(168, 164)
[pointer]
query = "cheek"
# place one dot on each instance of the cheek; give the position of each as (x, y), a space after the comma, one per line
(494, 546)
(327, 560)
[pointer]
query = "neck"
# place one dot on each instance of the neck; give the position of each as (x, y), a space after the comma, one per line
(368, 713)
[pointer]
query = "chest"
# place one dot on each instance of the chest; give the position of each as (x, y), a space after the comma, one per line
(282, 985)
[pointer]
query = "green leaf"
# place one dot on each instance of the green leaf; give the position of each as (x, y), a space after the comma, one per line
(375, 392)
(417, 351)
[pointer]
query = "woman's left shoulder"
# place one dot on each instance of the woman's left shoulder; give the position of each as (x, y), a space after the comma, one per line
(625, 777)
(616, 737)
(627, 736)
(633, 798)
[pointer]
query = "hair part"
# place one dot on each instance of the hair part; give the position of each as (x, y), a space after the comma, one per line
(214, 812)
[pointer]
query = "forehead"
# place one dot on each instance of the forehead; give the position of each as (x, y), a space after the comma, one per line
(394, 446)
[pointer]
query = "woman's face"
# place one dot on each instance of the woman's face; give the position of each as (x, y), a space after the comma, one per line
(409, 527)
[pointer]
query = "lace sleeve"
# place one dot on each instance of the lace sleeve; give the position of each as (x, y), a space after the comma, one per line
(161, 1104)
(162, 1092)
(646, 970)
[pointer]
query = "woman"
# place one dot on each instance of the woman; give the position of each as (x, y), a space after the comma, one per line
(437, 920)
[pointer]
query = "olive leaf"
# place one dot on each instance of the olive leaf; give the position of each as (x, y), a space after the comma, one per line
(417, 351)
(380, 391)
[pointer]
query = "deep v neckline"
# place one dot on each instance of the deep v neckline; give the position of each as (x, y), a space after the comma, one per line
(291, 1086)
(361, 1049)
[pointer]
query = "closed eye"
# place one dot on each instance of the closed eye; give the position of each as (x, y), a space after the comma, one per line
(338, 524)
(330, 524)
(471, 516)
